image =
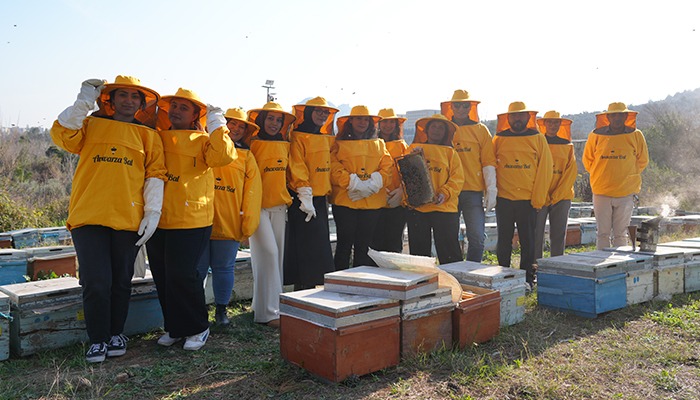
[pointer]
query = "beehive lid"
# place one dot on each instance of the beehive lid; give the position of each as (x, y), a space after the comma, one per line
(48, 250)
(41, 292)
(50, 256)
(383, 282)
(582, 265)
(12, 255)
(635, 260)
(488, 276)
(20, 233)
(335, 310)
(661, 256)
(436, 299)
(690, 254)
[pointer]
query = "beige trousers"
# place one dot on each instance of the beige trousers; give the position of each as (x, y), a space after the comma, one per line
(612, 217)
(267, 254)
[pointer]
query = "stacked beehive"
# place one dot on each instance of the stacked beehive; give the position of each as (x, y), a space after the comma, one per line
(357, 323)
(591, 283)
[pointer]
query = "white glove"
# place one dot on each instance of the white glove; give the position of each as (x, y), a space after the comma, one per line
(153, 197)
(306, 197)
(375, 182)
(73, 116)
(491, 190)
(215, 118)
(394, 197)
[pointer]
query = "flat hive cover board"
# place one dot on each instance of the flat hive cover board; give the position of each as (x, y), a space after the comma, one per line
(43, 292)
(382, 282)
(662, 256)
(690, 254)
(488, 276)
(49, 250)
(582, 266)
(12, 255)
(691, 244)
(635, 260)
(335, 310)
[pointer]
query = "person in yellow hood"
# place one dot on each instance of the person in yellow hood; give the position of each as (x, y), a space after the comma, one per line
(434, 139)
(237, 200)
(524, 172)
(388, 233)
(615, 155)
(361, 168)
(308, 254)
(188, 212)
(474, 145)
(557, 131)
(271, 149)
(115, 201)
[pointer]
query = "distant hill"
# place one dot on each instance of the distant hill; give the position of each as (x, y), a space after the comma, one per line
(683, 103)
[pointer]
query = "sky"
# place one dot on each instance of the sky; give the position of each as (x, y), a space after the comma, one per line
(571, 56)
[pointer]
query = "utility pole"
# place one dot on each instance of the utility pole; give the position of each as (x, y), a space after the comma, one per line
(268, 85)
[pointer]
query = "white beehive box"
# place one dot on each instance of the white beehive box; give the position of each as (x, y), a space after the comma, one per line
(510, 282)
(4, 327)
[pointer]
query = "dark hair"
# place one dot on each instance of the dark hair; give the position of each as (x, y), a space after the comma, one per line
(393, 135)
(349, 134)
(263, 134)
(445, 139)
(308, 125)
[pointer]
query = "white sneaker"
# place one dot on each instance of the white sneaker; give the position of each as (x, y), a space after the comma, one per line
(166, 340)
(195, 342)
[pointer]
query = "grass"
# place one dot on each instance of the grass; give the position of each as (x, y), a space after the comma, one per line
(650, 350)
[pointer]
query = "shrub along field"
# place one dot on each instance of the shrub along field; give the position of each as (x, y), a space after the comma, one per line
(641, 352)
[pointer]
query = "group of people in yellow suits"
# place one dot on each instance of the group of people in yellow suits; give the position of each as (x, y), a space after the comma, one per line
(192, 182)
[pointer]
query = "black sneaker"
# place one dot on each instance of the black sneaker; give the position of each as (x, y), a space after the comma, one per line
(96, 353)
(220, 315)
(117, 346)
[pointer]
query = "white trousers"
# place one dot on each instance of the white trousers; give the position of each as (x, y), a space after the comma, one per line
(267, 253)
(612, 215)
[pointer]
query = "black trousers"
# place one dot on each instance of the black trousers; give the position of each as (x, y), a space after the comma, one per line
(355, 229)
(510, 213)
(173, 256)
(445, 230)
(388, 233)
(106, 258)
(307, 246)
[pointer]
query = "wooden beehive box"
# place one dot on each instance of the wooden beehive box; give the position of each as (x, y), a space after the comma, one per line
(61, 264)
(338, 335)
(381, 282)
(641, 276)
(510, 282)
(243, 273)
(585, 286)
(692, 266)
(13, 266)
(477, 317)
(46, 315)
(669, 263)
(145, 314)
(426, 323)
(5, 241)
(54, 236)
(22, 238)
(4, 326)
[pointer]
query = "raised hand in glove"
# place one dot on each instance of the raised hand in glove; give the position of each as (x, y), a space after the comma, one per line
(215, 118)
(306, 197)
(491, 190)
(153, 199)
(73, 116)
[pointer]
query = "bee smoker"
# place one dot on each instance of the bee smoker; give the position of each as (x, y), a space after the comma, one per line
(648, 234)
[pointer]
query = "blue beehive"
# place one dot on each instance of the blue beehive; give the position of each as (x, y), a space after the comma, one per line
(25, 238)
(584, 286)
(13, 266)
